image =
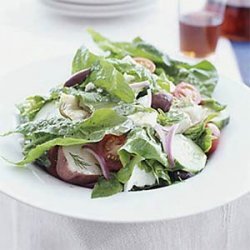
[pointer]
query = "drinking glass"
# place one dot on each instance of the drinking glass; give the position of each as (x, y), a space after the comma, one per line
(199, 24)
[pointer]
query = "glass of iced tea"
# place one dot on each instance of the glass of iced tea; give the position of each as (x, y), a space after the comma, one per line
(199, 23)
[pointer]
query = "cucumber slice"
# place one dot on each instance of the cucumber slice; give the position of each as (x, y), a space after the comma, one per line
(188, 155)
(222, 119)
(49, 110)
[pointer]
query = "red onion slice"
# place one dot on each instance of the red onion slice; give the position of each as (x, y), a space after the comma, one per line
(139, 85)
(77, 78)
(101, 161)
(169, 144)
(166, 137)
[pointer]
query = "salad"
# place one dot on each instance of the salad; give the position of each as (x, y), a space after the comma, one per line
(129, 118)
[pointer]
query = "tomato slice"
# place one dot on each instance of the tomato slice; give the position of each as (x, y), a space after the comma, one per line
(216, 137)
(109, 147)
(146, 63)
(184, 89)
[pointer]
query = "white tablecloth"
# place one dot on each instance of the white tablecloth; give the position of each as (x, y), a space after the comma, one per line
(28, 32)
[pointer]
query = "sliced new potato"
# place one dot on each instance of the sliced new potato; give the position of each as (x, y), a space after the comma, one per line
(69, 107)
(77, 166)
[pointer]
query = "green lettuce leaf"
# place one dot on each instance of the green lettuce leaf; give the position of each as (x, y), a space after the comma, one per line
(137, 48)
(213, 104)
(160, 172)
(203, 75)
(205, 140)
(126, 65)
(30, 107)
(195, 131)
(140, 143)
(43, 135)
(107, 77)
(103, 121)
(169, 118)
(125, 173)
(104, 188)
(83, 59)
(40, 149)
(139, 146)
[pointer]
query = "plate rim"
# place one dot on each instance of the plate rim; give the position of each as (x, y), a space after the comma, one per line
(110, 220)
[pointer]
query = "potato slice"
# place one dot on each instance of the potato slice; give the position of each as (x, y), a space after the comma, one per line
(77, 166)
(69, 107)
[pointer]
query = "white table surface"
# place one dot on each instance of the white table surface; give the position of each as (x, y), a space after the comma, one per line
(28, 32)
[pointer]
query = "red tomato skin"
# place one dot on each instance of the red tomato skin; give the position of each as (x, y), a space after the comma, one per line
(184, 89)
(214, 146)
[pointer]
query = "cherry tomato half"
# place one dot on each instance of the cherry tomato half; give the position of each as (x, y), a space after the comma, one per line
(216, 137)
(109, 147)
(146, 63)
(184, 89)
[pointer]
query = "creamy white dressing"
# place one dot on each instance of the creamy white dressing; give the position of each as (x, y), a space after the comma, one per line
(90, 86)
(139, 178)
(196, 113)
(146, 100)
(81, 161)
(144, 118)
(184, 124)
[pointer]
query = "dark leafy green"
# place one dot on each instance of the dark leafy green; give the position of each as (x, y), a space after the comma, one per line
(106, 76)
(137, 48)
(83, 59)
(30, 107)
(203, 75)
(213, 104)
(104, 188)
(205, 140)
(160, 172)
(125, 173)
(169, 118)
(141, 144)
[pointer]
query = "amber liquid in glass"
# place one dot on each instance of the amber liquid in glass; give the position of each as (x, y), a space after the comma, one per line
(236, 25)
(199, 33)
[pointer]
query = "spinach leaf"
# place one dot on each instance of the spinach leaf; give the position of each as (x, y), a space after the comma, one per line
(30, 107)
(126, 65)
(137, 48)
(205, 140)
(170, 118)
(203, 75)
(104, 188)
(40, 149)
(103, 121)
(141, 144)
(83, 59)
(107, 77)
(195, 131)
(213, 104)
(125, 173)
(41, 136)
(160, 172)
(52, 126)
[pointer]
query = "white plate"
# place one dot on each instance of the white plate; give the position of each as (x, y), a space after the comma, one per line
(98, 2)
(94, 11)
(225, 178)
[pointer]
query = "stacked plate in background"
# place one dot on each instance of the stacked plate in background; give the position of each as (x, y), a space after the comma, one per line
(99, 8)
